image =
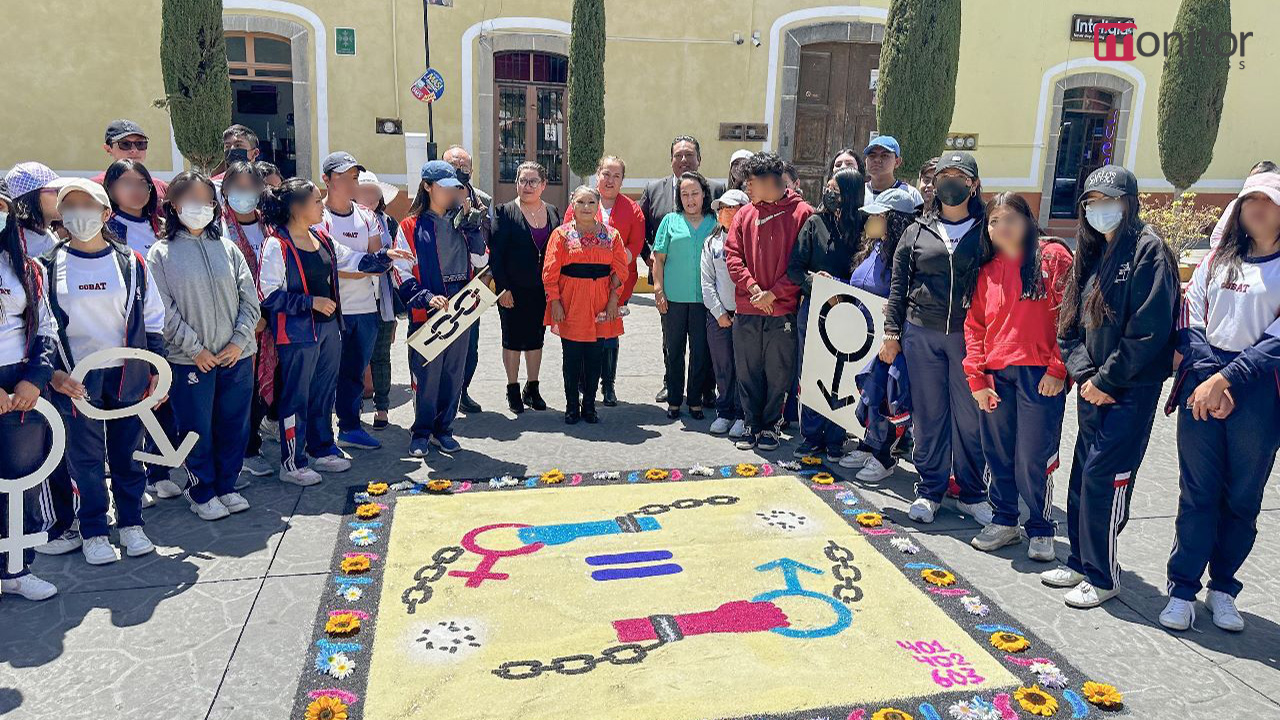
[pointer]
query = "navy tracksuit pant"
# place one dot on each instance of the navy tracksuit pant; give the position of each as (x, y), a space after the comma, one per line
(359, 334)
(437, 388)
(1224, 465)
(306, 394)
(720, 345)
(1020, 445)
(473, 356)
(215, 405)
(156, 473)
(26, 440)
(89, 442)
(947, 429)
(816, 428)
(1109, 447)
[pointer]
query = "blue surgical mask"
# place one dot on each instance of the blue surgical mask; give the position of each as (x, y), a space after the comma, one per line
(1104, 218)
(243, 201)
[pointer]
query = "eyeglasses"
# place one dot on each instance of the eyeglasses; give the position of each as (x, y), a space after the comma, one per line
(527, 182)
(131, 144)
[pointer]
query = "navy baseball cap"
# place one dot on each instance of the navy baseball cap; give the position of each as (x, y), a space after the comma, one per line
(888, 142)
(440, 173)
(123, 128)
(338, 162)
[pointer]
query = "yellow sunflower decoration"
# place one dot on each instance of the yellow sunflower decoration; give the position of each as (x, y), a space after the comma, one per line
(1036, 701)
(824, 478)
(368, 511)
(355, 564)
(938, 576)
(553, 476)
(326, 708)
(1009, 642)
(343, 624)
(891, 714)
(656, 474)
(377, 488)
(747, 469)
(811, 460)
(439, 485)
(870, 519)
(1102, 694)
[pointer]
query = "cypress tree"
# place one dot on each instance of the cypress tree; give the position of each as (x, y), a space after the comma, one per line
(916, 91)
(1192, 85)
(197, 86)
(586, 86)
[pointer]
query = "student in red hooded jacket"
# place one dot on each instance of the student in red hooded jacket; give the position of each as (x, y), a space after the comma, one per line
(1015, 371)
(757, 252)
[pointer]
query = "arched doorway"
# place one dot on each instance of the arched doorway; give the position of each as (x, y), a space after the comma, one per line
(1087, 138)
(529, 121)
(261, 69)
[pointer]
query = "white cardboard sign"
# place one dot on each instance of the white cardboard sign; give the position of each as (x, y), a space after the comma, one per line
(447, 325)
(844, 331)
(15, 541)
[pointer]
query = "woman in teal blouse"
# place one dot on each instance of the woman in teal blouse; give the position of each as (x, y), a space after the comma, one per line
(677, 254)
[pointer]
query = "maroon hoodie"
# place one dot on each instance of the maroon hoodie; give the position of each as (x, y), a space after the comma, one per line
(759, 247)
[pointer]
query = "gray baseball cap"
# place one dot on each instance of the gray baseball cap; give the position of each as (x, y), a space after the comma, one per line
(338, 162)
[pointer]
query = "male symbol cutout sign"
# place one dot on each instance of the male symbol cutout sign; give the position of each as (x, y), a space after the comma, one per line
(15, 541)
(144, 409)
(846, 326)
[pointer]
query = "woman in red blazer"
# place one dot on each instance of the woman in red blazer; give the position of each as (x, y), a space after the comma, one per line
(622, 214)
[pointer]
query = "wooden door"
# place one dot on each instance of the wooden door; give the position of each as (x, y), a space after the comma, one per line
(530, 122)
(835, 107)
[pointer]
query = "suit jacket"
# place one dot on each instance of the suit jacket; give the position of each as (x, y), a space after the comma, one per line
(515, 259)
(658, 199)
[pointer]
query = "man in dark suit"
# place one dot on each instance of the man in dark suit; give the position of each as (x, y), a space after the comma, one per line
(661, 197)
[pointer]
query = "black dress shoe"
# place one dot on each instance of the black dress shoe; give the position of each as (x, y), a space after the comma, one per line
(697, 414)
(661, 397)
(610, 397)
(571, 417)
(467, 405)
(589, 413)
(673, 412)
(531, 396)
(513, 398)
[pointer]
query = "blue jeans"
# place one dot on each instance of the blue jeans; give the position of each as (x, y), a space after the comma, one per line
(214, 405)
(359, 334)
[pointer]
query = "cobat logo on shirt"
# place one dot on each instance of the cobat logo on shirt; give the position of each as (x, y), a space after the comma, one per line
(93, 286)
(1237, 287)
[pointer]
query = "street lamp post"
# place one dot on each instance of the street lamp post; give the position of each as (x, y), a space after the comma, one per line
(426, 46)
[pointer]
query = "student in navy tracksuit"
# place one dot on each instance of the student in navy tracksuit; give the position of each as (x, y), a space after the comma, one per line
(934, 269)
(102, 296)
(1228, 407)
(1016, 373)
(298, 281)
(443, 247)
(211, 310)
(827, 243)
(27, 340)
(1115, 329)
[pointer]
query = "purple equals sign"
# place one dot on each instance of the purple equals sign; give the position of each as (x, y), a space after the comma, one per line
(631, 558)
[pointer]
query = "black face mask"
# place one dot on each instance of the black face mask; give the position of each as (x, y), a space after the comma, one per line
(952, 191)
(830, 199)
(235, 155)
(464, 176)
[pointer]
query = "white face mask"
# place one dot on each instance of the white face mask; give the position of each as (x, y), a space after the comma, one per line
(4, 220)
(1104, 218)
(242, 201)
(82, 223)
(195, 217)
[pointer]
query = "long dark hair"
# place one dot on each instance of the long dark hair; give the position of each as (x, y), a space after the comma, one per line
(277, 203)
(702, 183)
(846, 216)
(26, 212)
(11, 245)
(1095, 255)
(1032, 248)
(1234, 246)
(117, 170)
(179, 187)
(857, 159)
(896, 223)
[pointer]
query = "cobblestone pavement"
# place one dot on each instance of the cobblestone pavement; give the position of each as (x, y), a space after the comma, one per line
(216, 623)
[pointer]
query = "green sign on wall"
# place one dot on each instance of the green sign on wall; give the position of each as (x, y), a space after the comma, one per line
(345, 41)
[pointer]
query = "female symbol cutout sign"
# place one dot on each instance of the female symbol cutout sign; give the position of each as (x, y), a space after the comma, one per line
(144, 409)
(15, 541)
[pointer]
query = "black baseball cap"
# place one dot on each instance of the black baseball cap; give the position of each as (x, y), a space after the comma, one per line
(338, 162)
(123, 128)
(1110, 180)
(961, 161)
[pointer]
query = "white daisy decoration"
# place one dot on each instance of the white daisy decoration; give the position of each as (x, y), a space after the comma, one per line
(363, 537)
(702, 470)
(351, 593)
(402, 485)
(904, 545)
(967, 710)
(607, 475)
(1042, 667)
(340, 666)
(1053, 679)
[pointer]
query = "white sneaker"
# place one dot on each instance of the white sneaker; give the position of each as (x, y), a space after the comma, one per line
(1178, 614)
(241, 483)
(1061, 577)
(980, 511)
(63, 544)
(720, 426)
(1223, 609)
(257, 466)
(739, 429)
(873, 471)
(993, 537)
(28, 586)
(923, 510)
(269, 430)
(331, 463)
(1040, 548)
(1085, 595)
(234, 502)
(855, 459)
(99, 551)
(148, 499)
(211, 509)
(166, 489)
(302, 476)
(135, 542)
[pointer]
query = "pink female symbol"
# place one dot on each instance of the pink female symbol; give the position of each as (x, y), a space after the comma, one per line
(477, 577)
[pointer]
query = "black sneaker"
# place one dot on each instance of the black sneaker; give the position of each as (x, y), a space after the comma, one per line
(767, 442)
(467, 405)
(835, 453)
(747, 442)
(807, 449)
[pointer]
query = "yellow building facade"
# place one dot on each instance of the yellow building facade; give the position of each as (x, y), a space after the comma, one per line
(796, 76)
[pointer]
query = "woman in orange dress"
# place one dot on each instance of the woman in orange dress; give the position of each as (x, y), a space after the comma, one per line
(584, 270)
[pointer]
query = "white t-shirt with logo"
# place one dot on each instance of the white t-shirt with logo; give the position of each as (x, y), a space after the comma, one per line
(13, 305)
(138, 233)
(354, 230)
(1235, 315)
(93, 295)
